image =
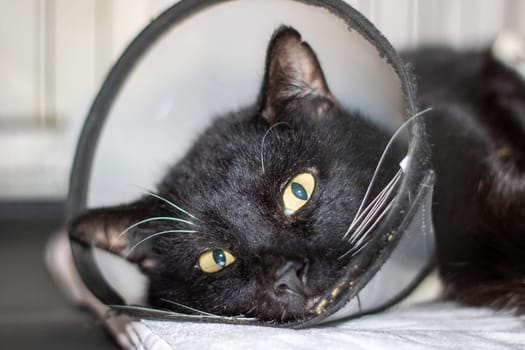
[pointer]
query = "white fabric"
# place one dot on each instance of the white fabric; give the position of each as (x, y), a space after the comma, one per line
(437, 325)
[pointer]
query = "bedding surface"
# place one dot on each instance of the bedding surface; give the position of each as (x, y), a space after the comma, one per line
(435, 325)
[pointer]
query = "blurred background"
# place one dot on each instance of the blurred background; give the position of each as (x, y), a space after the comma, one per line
(56, 53)
(54, 57)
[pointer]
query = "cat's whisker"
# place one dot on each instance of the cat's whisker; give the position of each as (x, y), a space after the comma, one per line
(264, 139)
(379, 205)
(157, 218)
(363, 239)
(386, 191)
(353, 250)
(372, 220)
(156, 235)
(135, 308)
(362, 243)
(172, 204)
(358, 237)
(253, 308)
(363, 234)
(204, 313)
(383, 156)
(167, 201)
(365, 215)
(189, 308)
(373, 205)
(371, 216)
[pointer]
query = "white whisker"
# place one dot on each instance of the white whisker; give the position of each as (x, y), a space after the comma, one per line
(378, 214)
(364, 236)
(155, 235)
(372, 206)
(158, 218)
(264, 138)
(189, 308)
(383, 156)
(133, 309)
(367, 217)
(373, 211)
(170, 203)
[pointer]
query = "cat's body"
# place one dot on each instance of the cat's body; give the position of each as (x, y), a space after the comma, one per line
(252, 220)
(477, 132)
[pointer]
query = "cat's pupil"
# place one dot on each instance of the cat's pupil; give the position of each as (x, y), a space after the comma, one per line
(299, 191)
(219, 257)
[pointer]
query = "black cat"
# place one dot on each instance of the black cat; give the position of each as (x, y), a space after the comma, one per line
(477, 129)
(251, 221)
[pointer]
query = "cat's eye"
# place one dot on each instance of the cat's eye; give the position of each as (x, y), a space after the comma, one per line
(214, 260)
(298, 192)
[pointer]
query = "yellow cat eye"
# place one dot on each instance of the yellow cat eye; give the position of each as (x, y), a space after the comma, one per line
(298, 192)
(214, 260)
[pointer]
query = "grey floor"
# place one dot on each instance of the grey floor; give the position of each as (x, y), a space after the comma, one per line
(33, 314)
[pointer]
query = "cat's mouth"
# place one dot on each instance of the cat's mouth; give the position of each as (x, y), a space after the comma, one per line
(293, 312)
(285, 311)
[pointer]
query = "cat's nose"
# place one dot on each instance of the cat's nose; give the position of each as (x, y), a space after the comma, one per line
(292, 277)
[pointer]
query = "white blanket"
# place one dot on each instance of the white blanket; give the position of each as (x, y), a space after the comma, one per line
(437, 325)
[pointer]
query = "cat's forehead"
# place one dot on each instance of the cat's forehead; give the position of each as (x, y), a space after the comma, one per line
(249, 150)
(241, 164)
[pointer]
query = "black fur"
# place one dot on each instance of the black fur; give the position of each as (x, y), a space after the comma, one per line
(239, 206)
(477, 128)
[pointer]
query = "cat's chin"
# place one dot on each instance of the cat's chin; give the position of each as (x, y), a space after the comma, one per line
(284, 312)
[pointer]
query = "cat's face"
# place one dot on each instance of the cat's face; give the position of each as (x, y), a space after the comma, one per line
(251, 221)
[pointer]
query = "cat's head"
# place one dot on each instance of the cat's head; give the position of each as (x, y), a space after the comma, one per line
(251, 221)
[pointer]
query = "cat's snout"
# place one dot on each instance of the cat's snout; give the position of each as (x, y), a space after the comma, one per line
(292, 277)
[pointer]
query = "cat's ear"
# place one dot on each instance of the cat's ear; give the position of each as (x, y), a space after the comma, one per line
(112, 229)
(292, 72)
